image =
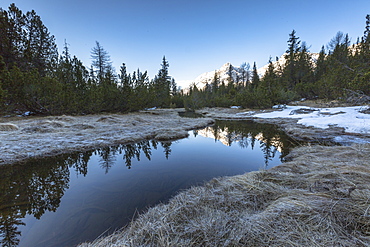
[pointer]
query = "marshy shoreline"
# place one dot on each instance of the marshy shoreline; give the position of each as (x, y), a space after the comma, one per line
(319, 197)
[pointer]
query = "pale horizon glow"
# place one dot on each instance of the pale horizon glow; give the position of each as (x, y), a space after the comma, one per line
(195, 36)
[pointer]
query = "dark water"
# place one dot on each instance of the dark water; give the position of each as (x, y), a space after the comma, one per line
(190, 114)
(72, 198)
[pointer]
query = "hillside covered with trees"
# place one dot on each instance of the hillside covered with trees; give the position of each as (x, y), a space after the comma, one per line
(35, 78)
(340, 69)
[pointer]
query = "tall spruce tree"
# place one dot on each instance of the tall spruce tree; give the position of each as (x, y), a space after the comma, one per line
(162, 85)
(290, 68)
(255, 77)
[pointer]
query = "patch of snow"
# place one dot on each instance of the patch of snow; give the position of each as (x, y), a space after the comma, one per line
(349, 118)
(235, 107)
(279, 106)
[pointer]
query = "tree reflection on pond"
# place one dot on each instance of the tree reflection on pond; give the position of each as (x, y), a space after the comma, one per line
(246, 133)
(38, 185)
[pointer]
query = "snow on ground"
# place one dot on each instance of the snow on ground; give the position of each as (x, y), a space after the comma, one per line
(349, 118)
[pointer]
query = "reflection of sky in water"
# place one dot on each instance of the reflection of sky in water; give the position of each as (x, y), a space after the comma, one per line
(111, 194)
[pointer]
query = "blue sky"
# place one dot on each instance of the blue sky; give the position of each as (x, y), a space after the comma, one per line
(196, 36)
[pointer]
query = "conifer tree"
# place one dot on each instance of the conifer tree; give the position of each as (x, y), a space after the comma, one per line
(215, 83)
(12, 25)
(338, 72)
(320, 68)
(304, 75)
(194, 100)
(361, 82)
(269, 82)
(143, 90)
(255, 77)
(124, 77)
(162, 85)
(126, 88)
(41, 50)
(64, 72)
(26, 42)
(174, 89)
(290, 68)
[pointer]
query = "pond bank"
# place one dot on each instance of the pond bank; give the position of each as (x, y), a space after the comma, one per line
(35, 137)
(319, 198)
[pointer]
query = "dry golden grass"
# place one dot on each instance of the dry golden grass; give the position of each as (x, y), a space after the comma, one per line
(320, 198)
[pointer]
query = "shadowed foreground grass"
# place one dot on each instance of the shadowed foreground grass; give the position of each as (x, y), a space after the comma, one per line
(319, 198)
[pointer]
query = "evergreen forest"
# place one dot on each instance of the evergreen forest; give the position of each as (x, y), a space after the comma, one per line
(36, 79)
(340, 70)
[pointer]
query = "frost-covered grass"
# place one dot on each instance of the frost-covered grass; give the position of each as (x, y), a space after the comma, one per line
(320, 198)
(8, 127)
(24, 138)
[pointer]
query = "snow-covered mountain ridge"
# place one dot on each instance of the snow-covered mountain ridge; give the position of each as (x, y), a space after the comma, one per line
(237, 71)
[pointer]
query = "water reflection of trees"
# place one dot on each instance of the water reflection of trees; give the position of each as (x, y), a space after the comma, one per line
(33, 188)
(135, 150)
(38, 186)
(248, 133)
(130, 152)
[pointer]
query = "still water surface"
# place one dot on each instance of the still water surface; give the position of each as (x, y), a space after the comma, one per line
(72, 198)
